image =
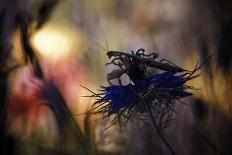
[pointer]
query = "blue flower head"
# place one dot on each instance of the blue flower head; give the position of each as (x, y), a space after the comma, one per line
(122, 97)
(147, 95)
(146, 92)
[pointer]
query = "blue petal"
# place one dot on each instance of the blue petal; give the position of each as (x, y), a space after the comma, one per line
(121, 96)
(168, 80)
(126, 96)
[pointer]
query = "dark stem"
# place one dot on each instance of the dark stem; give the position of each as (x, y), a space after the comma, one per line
(212, 146)
(159, 132)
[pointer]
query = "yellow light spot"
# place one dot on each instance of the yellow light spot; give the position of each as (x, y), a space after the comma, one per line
(55, 43)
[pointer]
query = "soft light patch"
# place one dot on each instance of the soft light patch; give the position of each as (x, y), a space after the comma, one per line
(55, 43)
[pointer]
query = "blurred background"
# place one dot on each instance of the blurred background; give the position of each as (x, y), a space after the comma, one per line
(70, 39)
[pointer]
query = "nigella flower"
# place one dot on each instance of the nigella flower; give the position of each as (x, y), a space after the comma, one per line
(147, 95)
(118, 97)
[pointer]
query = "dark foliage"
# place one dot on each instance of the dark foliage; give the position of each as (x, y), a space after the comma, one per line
(11, 19)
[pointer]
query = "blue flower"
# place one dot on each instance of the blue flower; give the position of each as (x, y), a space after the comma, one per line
(122, 97)
(148, 96)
